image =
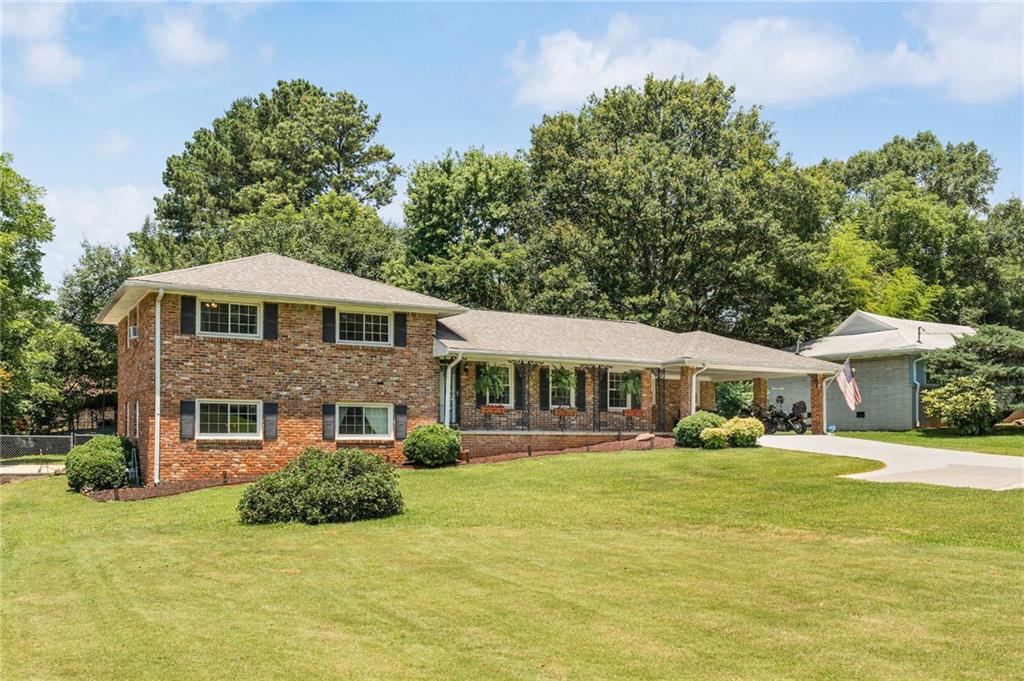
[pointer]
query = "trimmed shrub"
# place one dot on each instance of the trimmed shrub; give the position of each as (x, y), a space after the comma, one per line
(966, 404)
(324, 487)
(744, 431)
(433, 444)
(688, 430)
(714, 438)
(97, 464)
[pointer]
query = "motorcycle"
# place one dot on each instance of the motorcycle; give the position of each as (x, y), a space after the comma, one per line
(775, 419)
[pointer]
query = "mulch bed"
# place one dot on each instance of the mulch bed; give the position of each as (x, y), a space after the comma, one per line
(165, 489)
(613, 446)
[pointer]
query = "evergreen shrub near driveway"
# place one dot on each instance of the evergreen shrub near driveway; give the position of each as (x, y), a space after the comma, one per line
(433, 444)
(967, 405)
(97, 464)
(744, 431)
(688, 430)
(324, 487)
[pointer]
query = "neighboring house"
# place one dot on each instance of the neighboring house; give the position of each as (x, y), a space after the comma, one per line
(232, 369)
(889, 359)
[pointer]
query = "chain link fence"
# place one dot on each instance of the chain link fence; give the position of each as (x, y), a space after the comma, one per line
(19, 447)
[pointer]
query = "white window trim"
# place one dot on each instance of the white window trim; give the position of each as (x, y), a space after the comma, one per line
(608, 393)
(372, 344)
(258, 435)
(136, 419)
(227, 301)
(128, 326)
(346, 437)
(511, 388)
(551, 393)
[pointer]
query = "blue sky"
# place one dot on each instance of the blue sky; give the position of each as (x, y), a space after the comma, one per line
(96, 96)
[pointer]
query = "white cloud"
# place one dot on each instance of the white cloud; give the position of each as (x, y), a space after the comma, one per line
(103, 215)
(34, 21)
(179, 39)
(974, 52)
(9, 117)
(977, 49)
(114, 143)
(50, 64)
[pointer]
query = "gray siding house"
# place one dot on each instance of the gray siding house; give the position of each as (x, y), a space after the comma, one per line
(889, 358)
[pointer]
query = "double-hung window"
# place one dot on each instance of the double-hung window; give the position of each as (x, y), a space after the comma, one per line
(563, 396)
(504, 396)
(364, 421)
(133, 325)
(616, 399)
(217, 318)
(229, 419)
(358, 328)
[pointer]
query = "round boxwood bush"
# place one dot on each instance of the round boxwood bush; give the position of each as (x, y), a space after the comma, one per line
(688, 430)
(96, 464)
(324, 487)
(433, 444)
(744, 431)
(714, 438)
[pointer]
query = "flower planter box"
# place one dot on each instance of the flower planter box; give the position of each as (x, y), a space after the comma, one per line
(562, 413)
(491, 409)
(633, 413)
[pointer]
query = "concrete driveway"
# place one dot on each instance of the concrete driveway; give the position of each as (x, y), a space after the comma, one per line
(904, 463)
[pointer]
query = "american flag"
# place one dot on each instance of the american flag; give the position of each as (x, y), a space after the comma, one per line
(848, 385)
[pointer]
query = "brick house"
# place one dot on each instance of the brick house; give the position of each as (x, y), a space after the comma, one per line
(232, 369)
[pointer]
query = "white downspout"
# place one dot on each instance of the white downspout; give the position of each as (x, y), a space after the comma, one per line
(693, 387)
(917, 392)
(156, 401)
(448, 390)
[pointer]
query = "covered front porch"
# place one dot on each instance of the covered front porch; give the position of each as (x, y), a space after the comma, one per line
(507, 396)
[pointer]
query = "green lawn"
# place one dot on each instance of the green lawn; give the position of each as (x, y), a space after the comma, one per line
(664, 564)
(1002, 441)
(52, 459)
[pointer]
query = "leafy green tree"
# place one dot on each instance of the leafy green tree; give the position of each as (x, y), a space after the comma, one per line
(995, 354)
(957, 174)
(24, 228)
(335, 231)
(60, 363)
(684, 210)
(285, 148)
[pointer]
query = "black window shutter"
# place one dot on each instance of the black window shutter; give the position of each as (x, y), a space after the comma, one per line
(270, 420)
(637, 402)
(481, 398)
(270, 321)
(188, 315)
(545, 388)
(401, 421)
(187, 419)
(581, 390)
(521, 381)
(329, 321)
(400, 334)
(329, 429)
(602, 390)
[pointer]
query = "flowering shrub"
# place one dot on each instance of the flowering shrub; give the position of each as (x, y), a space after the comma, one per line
(714, 438)
(744, 431)
(966, 404)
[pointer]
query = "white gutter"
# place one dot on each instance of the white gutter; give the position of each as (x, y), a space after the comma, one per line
(448, 390)
(917, 391)
(156, 401)
(693, 388)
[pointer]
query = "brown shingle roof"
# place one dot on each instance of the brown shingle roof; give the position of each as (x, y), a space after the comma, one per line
(484, 332)
(279, 277)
